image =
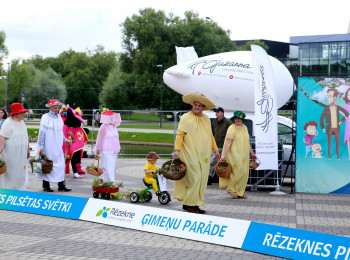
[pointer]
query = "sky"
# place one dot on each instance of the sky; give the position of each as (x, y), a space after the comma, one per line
(49, 27)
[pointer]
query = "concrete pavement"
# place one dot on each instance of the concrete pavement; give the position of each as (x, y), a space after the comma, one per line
(28, 236)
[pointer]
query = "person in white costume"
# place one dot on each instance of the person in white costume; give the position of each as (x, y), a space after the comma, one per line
(107, 144)
(50, 141)
(14, 149)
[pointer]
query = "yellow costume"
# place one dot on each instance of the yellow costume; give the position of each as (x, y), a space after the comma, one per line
(195, 142)
(238, 158)
(149, 176)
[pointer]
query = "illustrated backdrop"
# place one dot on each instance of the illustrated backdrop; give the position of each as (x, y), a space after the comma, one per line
(315, 171)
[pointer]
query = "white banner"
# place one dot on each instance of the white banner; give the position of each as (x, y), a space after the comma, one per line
(265, 123)
(205, 228)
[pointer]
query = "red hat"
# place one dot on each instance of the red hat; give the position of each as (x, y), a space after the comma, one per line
(53, 102)
(17, 108)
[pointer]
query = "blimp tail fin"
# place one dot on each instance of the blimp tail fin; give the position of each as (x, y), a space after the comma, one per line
(185, 54)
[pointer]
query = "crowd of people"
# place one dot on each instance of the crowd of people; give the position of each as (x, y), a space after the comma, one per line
(199, 143)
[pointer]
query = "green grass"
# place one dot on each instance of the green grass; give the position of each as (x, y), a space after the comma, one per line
(167, 127)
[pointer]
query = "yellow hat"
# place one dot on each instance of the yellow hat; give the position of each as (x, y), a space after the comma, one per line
(191, 98)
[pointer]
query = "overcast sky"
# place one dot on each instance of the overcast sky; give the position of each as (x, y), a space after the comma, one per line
(49, 27)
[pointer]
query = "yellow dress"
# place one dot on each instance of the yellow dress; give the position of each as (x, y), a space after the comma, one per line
(238, 158)
(196, 154)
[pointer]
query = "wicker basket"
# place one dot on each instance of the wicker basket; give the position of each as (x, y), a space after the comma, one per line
(254, 164)
(46, 166)
(174, 171)
(91, 170)
(223, 169)
(3, 168)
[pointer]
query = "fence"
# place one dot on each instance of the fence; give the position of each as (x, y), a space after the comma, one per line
(142, 131)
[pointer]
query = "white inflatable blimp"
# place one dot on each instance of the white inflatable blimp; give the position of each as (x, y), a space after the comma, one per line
(226, 78)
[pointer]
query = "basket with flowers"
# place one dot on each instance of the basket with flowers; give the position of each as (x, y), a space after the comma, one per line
(94, 170)
(174, 169)
(223, 169)
(3, 166)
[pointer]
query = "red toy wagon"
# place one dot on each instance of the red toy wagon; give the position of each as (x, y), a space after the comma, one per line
(104, 192)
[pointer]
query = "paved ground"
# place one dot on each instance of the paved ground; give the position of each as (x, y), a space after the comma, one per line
(28, 236)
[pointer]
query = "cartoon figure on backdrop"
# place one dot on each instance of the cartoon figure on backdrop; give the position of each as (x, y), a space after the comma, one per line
(316, 150)
(310, 128)
(347, 126)
(332, 115)
(107, 144)
(73, 131)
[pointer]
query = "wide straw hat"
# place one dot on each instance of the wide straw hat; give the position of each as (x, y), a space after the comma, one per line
(191, 98)
(17, 108)
(53, 102)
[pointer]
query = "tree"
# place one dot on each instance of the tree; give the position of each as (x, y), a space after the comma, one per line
(47, 85)
(3, 49)
(21, 77)
(150, 38)
(246, 47)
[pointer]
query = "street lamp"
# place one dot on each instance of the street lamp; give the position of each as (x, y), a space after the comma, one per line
(208, 18)
(160, 66)
(4, 77)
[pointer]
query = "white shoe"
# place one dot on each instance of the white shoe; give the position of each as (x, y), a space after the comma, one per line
(78, 176)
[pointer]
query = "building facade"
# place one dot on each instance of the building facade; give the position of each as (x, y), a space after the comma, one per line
(322, 55)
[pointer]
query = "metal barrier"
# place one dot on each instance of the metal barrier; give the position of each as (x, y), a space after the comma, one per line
(142, 131)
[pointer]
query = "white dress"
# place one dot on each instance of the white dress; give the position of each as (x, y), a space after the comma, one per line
(53, 141)
(15, 155)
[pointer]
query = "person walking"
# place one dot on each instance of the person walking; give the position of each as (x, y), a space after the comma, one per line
(50, 141)
(236, 152)
(14, 149)
(193, 145)
(219, 127)
(3, 116)
(107, 144)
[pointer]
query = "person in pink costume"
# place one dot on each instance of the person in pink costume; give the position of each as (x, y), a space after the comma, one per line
(347, 125)
(72, 130)
(107, 144)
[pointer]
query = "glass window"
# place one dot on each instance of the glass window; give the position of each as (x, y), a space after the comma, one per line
(284, 134)
(325, 50)
(315, 52)
(333, 51)
(304, 67)
(335, 68)
(304, 52)
(342, 50)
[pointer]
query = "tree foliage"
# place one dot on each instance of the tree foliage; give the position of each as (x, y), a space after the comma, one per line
(47, 85)
(21, 78)
(246, 47)
(3, 48)
(149, 39)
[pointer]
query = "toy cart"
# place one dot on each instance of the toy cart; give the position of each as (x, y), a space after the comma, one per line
(104, 192)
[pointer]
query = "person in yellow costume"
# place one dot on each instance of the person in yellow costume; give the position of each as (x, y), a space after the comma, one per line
(193, 145)
(236, 152)
(150, 170)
